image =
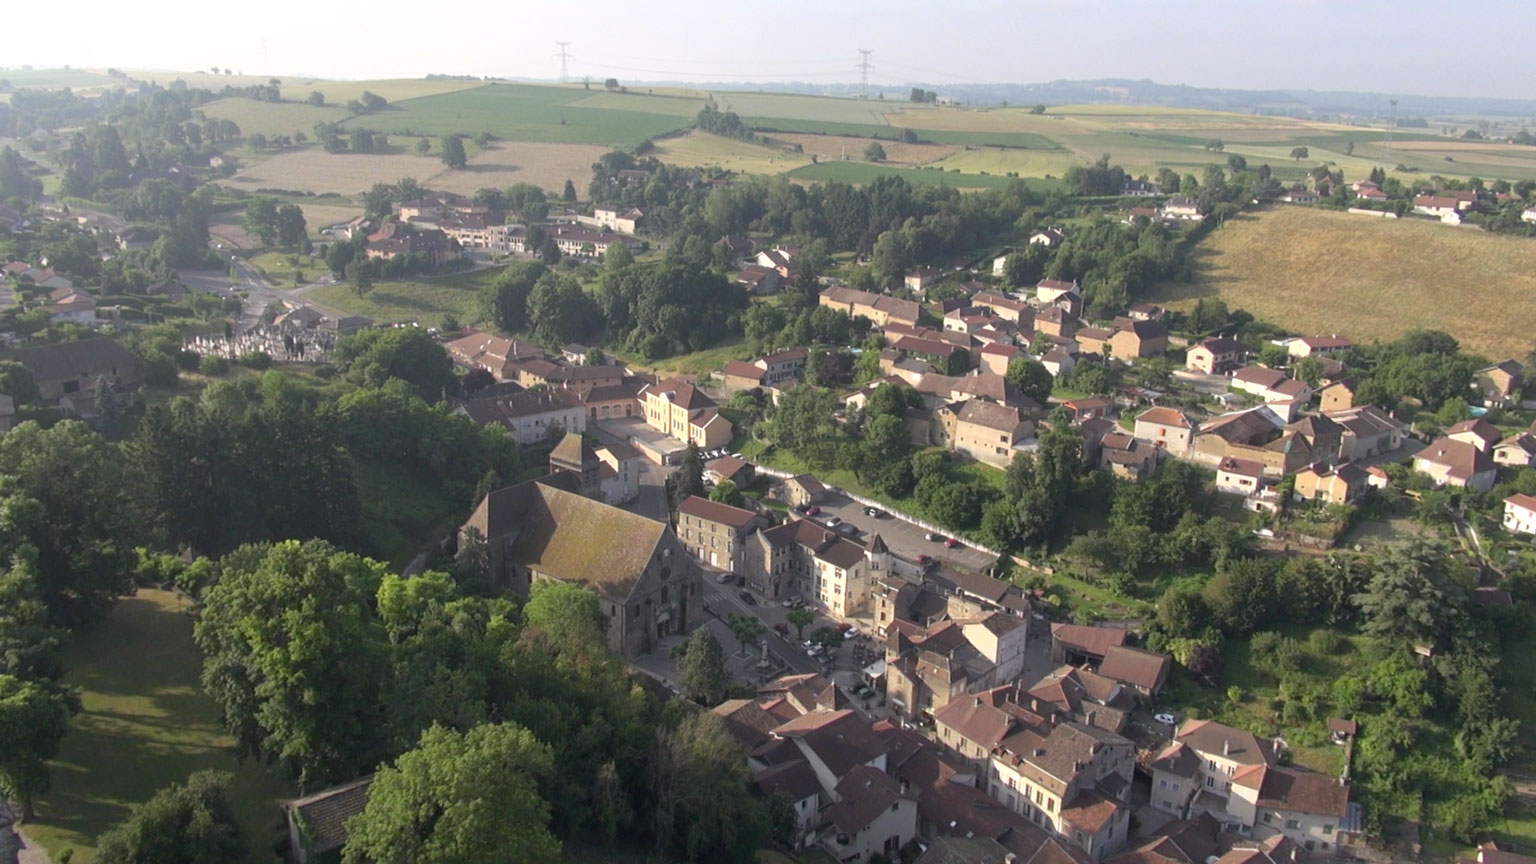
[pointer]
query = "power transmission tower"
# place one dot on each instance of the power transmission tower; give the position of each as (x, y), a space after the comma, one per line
(1386, 143)
(266, 59)
(864, 67)
(564, 59)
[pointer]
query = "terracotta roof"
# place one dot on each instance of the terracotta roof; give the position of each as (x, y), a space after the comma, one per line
(863, 794)
(1302, 791)
(1057, 285)
(1520, 499)
(1477, 427)
(325, 813)
(1090, 811)
(743, 369)
(1208, 736)
(747, 721)
(1460, 458)
(1165, 417)
(73, 360)
(1090, 640)
(840, 739)
(990, 416)
(796, 780)
(977, 718)
(714, 511)
(524, 404)
(1261, 376)
(1134, 666)
(995, 300)
(1177, 758)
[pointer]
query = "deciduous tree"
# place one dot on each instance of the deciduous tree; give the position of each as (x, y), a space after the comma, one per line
(184, 823)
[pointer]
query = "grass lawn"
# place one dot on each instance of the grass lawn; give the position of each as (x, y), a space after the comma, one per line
(146, 723)
(404, 509)
(423, 301)
(1319, 271)
(700, 363)
(1094, 602)
(276, 267)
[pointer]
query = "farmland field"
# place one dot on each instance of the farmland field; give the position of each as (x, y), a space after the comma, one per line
(700, 149)
(791, 106)
(997, 160)
(833, 146)
(274, 118)
(523, 112)
(1317, 271)
(146, 723)
(860, 173)
(506, 162)
(392, 89)
(314, 170)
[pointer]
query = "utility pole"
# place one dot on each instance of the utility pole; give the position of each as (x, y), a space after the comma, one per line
(564, 58)
(864, 67)
(1386, 143)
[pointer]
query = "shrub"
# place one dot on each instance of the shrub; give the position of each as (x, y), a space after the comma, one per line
(258, 360)
(212, 364)
(1325, 643)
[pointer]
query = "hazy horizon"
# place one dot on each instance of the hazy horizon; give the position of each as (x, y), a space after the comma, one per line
(1417, 49)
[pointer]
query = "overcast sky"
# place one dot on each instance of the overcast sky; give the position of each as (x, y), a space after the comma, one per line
(1465, 48)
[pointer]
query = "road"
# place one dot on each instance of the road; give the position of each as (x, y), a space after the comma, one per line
(259, 292)
(902, 537)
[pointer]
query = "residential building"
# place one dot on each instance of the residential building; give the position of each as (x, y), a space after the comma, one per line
(716, 533)
(609, 472)
(1477, 432)
(535, 417)
(1499, 383)
(729, 468)
(922, 279)
(613, 401)
(1195, 771)
(1166, 428)
(880, 309)
(1182, 207)
(995, 358)
(1338, 395)
(1368, 431)
(1456, 463)
(1088, 408)
(1094, 340)
(1436, 205)
(1304, 807)
(1217, 355)
(928, 667)
(758, 280)
(397, 239)
(1127, 457)
(646, 582)
(1082, 645)
(1005, 307)
(1050, 238)
(1081, 695)
(990, 433)
(1338, 484)
(1239, 476)
(625, 220)
(1056, 321)
(1313, 346)
(317, 824)
(495, 354)
(1143, 671)
(1517, 450)
(679, 408)
(1052, 290)
(1260, 435)
(1520, 514)
(66, 368)
(1139, 340)
(805, 557)
(803, 490)
(73, 307)
(1070, 778)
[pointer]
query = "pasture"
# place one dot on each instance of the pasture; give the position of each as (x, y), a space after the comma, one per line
(860, 173)
(998, 160)
(793, 106)
(392, 89)
(701, 149)
(503, 163)
(828, 147)
(1318, 271)
(146, 724)
(274, 118)
(524, 112)
(313, 170)
(421, 301)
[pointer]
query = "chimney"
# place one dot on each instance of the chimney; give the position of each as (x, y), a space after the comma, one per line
(978, 701)
(1226, 748)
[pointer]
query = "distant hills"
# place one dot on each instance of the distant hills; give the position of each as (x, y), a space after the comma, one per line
(1293, 103)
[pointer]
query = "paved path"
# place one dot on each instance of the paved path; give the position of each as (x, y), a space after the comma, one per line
(31, 853)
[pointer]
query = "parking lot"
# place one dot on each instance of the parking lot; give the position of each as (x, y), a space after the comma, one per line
(902, 537)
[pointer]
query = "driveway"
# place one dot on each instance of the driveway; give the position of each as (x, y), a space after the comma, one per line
(904, 538)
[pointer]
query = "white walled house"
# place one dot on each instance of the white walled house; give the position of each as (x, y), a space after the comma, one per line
(1520, 514)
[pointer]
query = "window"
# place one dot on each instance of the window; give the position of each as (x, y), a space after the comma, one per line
(1267, 819)
(1162, 784)
(1327, 829)
(1293, 824)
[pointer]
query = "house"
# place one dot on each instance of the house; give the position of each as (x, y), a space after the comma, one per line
(1338, 395)
(1140, 339)
(1146, 213)
(1197, 769)
(1183, 208)
(996, 357)
(617, 218)
(1499, 383)
(1005, 307)
(1082, 645)
(679, 408)
(1217, 355)
(805, 557)
(136, 237)
(1144, 312)
(758, 280)
(1456, 463)
(932, 351)
(803, 490)
(1057, 322)
(1371, 195)
(729, 468)
(880, 309)
(1071, 778)
(1050, 238)
(922, 279)
(1082, 696)
(494, 354)
(928, 667)
(1516, 450)
(739, 375)
(1339, 484)
(1143, 671)
(613, 401)
(1520, 514)
(580, 243)
(740, 247)
(1140, 189)
(1299, 196)
(1052, 290)
(73, 307)
(581, 379)
(782, 366)
(1094, 340)
(1261, 435)
(1058, 362)
(317, 824)
(1239, 476)
(609, 472)
(1088, 408)
(66, 368)
(646, 582)
(1477, 432)
(1127, 457)
(715, 533)
(1314, 346)
(1165, 428)
(989, 433)
(873, 815)
(533, 417)
(1438, 206)
(796, 783)
(1368, 431)
(397, 239)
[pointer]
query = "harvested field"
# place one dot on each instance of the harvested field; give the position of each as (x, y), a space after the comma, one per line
(314, 170)
(1319, 271)
(506, 162)
(833, 146)
(274, 118)
(318, 216)
(701, 149)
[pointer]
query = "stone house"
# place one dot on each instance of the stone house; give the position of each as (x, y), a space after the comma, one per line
(716, 533)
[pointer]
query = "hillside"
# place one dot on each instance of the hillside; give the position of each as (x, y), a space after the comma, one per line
(1319, 271)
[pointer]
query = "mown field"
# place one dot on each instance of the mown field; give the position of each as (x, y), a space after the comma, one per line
(146, 724)
(274, 118)
(865, 172)
(503, 163)
(423, 302)
(700, 149)
(316, 171)
(1317, 271)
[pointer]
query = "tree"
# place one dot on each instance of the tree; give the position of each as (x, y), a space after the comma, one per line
(359, 281)
(423, 146)
(703, 810)
(459, 797)
(611, 84)
(874, 152)
(184, 823)
(316, 98)
(1038, 109)
(33, 721)
(801, 618)
(362, 141)
(747, 629)
(725, 492)
(701, 668)
(1299, 153)
(690, 477)
(453, 151)
(559, 311)
(374, 356)
(1412, 599)
(291, 230)
(16, 382)
(261, 219)
(1236, 163)
(291, 656)
(1031, 378)
(569, 194)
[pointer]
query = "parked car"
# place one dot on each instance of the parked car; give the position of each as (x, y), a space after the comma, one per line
(787, 602)
(923, 560)
(833, 521)
(781, 628)
(844, 627)
(801, 508)
(854, 631)
(812, 510)
(874, 511)
(848, 528)
(864, 691)
(951, 543)
(1166, 718)
(747, 598)
(725, 577)
(932, 537)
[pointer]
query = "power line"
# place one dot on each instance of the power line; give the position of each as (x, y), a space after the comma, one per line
(564, 60)
(1386, 144)
(864, 68)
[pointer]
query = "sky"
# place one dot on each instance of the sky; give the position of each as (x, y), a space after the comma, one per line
(1466, 48)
